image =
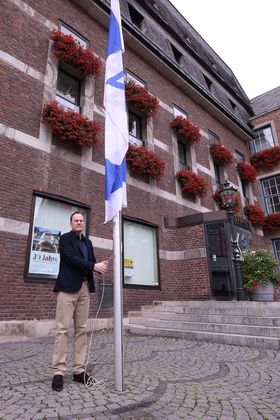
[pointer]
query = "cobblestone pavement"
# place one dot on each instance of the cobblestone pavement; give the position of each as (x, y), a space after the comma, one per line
(164, 378)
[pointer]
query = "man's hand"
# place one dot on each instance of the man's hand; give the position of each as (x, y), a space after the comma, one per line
(101, 267)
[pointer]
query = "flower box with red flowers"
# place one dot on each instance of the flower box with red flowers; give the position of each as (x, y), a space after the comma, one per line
(192, 183)
(67, 49)
(218, 199)
(144, 161)
(246, 171)
(70, 126)
(266, 159)
(221, 155)
(272, 223)
(255, 215)
(186, 129)
(139, 98)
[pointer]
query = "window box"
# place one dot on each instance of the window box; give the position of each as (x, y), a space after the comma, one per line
(66, 48)
(272, 223)
(186, 129)
(246, 171)
(218, 200)
(144, 161)
(266, 159)
(192, 183)
(140, 99)
(69, 126)
(255, 215)
(221, 155)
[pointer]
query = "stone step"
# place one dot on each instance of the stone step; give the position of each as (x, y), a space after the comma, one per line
(221, 338)
(240, 329)
(206, 318)
(263, 311)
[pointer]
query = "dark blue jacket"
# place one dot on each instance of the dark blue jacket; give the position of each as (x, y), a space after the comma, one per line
(73, 267)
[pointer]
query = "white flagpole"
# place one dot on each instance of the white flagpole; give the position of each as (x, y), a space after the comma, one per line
(118, 304)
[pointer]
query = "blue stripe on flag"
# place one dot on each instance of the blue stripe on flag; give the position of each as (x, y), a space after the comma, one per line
(114, 40)
(113, 81)
(115, 176)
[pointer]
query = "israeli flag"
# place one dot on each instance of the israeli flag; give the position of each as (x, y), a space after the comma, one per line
(116, 126)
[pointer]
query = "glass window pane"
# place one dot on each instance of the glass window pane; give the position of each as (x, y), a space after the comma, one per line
(68, 87)
(134, 125)
(264, 139)
(140, 254)
(51, 219)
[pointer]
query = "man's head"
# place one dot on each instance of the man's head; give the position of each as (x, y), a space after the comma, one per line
(77, 222)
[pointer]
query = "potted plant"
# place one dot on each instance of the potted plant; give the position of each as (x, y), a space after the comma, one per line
(272, 223)
(246, 171)
(138, 97)
(221, 155)
(259, 270)
(192, 183)
(266, 159)
(255, 215)
(144, 161)
(70, 126)
(186, 129)
(67, 49)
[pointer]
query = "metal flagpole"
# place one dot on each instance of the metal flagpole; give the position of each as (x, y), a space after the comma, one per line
(118, 306)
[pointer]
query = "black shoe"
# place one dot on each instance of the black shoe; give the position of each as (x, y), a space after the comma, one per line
(81, 377)
(57, 383)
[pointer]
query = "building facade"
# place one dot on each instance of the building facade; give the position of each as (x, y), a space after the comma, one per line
(175, 238)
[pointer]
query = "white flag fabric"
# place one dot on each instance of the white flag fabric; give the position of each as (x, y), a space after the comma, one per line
(116, 125)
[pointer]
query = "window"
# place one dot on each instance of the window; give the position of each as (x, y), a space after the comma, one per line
(212, 137)
(178, 112)
(208, 82)
(136, 18)
(176, 53)
(68, 91)
(67, 30)
(218, 175)
(51, 219)
(240, 158)
(135, 79)
(140, 260)
(264, 139)
(184, 155)
(271, 192)
(233, 106)
(276, 247)
(135, 128)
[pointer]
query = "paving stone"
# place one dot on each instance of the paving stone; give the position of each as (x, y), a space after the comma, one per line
(165, 378)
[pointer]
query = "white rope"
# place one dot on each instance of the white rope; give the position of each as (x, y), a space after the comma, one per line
(92, 383)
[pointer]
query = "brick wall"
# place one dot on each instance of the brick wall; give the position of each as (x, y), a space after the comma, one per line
(60, 171)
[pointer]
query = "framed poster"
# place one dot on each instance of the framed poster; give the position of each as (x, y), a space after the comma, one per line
(51, 218)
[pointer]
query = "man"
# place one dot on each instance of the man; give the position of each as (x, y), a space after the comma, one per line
(73, 284)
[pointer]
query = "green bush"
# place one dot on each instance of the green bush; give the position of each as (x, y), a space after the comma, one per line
(259, 268)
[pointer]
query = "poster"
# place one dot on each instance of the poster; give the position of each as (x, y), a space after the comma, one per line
(44, 255)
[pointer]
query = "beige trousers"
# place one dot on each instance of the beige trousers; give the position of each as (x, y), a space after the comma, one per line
(71, 306)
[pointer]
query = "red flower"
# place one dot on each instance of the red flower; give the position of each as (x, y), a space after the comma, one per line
(218, 200)
(272, 223)
(221, 155)
(186, 129)
(266, 159)
(246, 171)
(144, 161)
(141, 99)
(66, 48)
(69, 126)
(255, 215)
(192, 183)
